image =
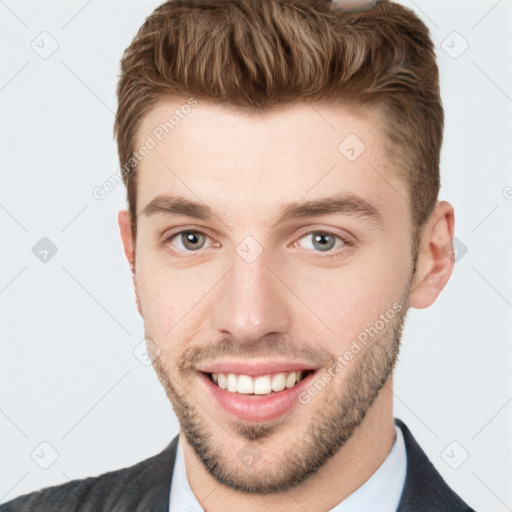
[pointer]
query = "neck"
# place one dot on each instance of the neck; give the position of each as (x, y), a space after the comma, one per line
(352, 465)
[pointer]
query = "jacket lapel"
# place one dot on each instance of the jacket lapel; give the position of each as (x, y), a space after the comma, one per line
(153, 484)
(424, 488)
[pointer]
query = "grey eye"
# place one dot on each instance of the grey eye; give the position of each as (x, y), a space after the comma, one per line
(323, 241)
(191, 240)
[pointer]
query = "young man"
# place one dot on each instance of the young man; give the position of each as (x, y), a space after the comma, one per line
(282, 166)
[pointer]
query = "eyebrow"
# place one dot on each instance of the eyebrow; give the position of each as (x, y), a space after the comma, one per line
(348, 204)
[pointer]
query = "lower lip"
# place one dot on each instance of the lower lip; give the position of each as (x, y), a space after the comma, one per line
(256, 407)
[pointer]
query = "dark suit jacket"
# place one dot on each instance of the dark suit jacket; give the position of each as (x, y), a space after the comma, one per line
(146, 485)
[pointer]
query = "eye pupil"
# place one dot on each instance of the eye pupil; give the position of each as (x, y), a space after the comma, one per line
(321, 238)
(190, 238)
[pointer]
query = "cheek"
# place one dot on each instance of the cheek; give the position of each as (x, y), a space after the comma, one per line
(351, 297)
(380, 285)
(172, 299)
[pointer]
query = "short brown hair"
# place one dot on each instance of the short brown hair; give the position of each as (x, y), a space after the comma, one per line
(259, 54)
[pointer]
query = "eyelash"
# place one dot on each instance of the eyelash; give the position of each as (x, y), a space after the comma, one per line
(328, 254)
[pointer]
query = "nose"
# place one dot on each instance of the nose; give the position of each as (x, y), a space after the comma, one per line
(251, 302)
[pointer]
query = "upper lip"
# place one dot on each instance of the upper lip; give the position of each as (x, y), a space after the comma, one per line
(255, 367)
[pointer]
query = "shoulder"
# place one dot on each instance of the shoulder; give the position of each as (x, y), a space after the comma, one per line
(131, 488)
(425, 489)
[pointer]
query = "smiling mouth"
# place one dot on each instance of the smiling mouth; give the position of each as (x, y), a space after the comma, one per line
(265, 384)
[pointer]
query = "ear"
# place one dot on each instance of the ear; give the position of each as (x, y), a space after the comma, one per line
(125, 227)
(436, 257)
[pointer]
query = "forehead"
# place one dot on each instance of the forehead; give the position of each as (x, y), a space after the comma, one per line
(252, 164)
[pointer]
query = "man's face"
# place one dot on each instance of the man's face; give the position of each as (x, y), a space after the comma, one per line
(248, 285)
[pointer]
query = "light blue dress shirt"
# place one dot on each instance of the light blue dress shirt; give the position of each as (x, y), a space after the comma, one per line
(380, 493)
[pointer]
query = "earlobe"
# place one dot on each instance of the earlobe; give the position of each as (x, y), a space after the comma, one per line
(435, 258)
(123, 218)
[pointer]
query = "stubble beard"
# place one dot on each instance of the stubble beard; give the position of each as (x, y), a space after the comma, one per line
(334, 416)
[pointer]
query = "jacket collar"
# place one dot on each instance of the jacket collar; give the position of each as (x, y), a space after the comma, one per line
(424, 488)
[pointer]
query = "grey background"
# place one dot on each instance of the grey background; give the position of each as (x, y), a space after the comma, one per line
(70, 375)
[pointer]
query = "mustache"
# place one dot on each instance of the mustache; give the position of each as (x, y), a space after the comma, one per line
(269, 347)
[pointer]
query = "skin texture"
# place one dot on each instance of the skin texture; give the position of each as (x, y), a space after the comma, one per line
(201, 300)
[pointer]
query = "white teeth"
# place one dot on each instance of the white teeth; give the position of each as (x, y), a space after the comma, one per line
(232, 383)
(279, 382)
(291, 380)
(244, 384)
(260, 385)
(223, 380)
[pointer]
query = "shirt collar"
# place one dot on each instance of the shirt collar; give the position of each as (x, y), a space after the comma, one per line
(380, 493)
